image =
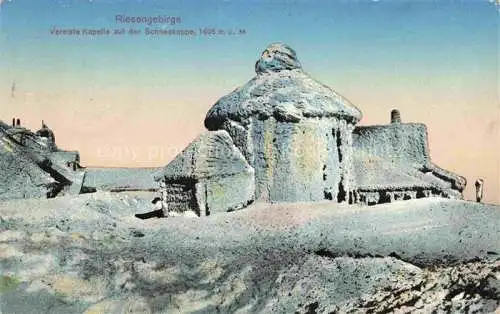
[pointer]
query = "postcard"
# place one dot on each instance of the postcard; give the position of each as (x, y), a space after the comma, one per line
(263, 156)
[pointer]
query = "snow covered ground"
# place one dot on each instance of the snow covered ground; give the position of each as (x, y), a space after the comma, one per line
(89, 254)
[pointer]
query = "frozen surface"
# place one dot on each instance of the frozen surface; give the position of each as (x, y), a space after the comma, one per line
(88, 253)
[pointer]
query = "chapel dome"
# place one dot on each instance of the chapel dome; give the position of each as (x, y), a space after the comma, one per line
(283, 90)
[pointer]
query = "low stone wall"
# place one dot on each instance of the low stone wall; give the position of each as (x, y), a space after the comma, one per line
(121, 179)
(374, 197)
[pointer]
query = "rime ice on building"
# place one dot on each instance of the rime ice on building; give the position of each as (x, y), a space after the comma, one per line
(392, 162)
(32, 166)
(281, 137)
(294, 131)
(299, 139)
(210, 175)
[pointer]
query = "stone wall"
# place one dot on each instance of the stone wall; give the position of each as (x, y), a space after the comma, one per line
(382, 196)
(120, 179)
(181, 196)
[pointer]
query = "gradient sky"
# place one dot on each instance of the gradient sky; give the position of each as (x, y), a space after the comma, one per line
(139, 100)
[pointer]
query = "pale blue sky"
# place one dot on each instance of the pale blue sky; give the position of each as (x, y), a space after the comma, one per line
(373, 37)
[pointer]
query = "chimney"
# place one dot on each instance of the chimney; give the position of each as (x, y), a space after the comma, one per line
(13, 121)
(18, 122)
(395, 116)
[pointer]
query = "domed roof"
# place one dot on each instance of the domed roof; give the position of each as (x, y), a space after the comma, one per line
(283, 90)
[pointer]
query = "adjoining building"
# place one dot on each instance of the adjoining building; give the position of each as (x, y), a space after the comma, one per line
(393, 162)
(32, 166)
(210, 175)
